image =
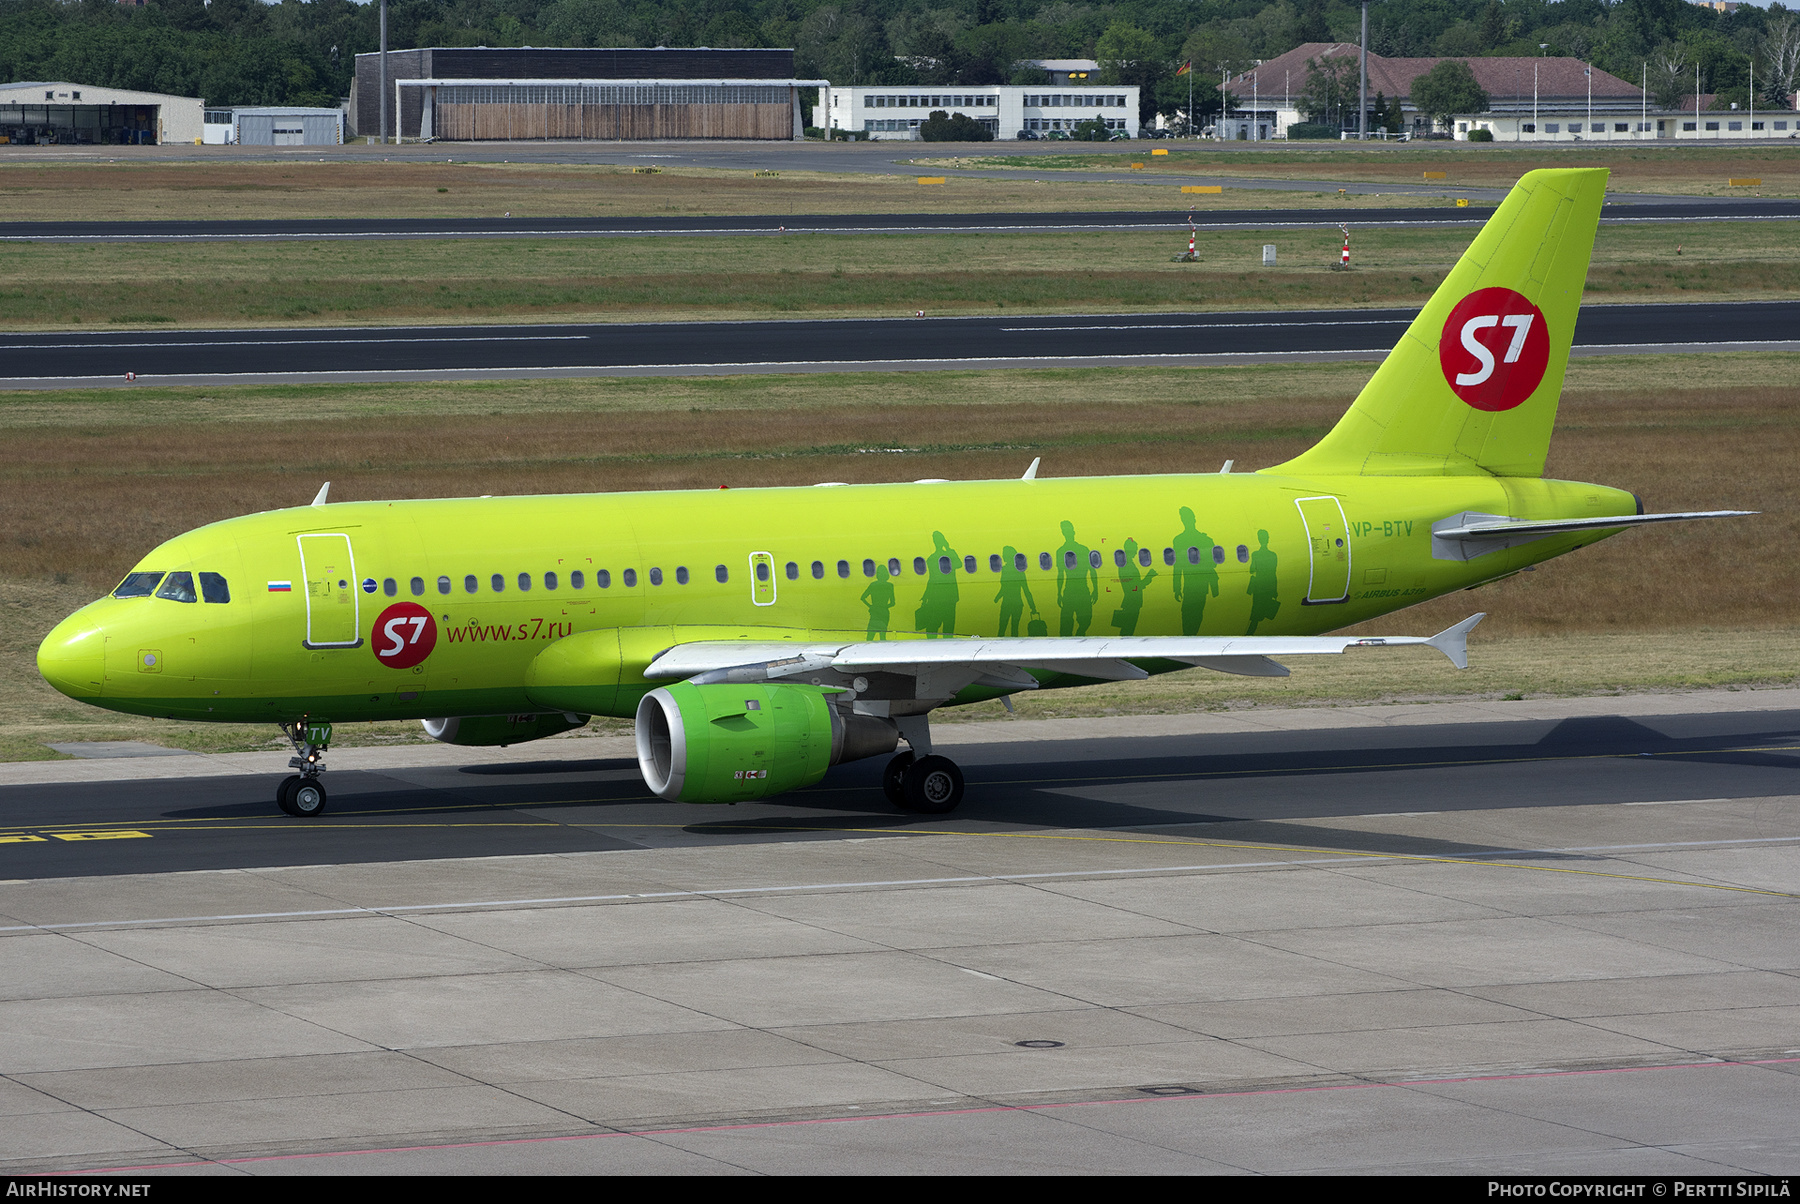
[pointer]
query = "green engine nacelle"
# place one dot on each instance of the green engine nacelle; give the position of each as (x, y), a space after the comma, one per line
(501, 729)
(724, 743)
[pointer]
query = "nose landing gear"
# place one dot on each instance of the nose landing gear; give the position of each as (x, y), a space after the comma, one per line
(303, 795)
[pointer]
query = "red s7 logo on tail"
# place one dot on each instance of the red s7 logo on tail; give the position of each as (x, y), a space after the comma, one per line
(404, 635)
(1494, 349)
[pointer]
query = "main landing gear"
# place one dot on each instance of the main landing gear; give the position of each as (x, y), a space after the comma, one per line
(303, 795)
(929, 785)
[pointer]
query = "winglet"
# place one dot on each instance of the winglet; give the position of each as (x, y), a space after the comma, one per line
(1453, 642)
(323, 490)
(1031, 473)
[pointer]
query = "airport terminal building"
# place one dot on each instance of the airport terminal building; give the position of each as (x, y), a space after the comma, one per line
(480, 94)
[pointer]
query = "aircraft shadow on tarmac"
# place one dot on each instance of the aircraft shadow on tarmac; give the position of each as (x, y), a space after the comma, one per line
(1282, 789)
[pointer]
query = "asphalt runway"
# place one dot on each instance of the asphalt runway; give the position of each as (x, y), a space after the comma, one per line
(1636, 210)
(1633, 210)
(554, 806)
(84, 359)
(1549, 938)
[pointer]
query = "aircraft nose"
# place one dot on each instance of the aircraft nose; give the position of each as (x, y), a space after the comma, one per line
(72, 657)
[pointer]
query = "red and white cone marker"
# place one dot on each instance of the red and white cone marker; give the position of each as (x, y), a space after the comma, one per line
(1345, 261)
(131, 376)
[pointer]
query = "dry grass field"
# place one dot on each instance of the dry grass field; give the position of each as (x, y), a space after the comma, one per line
(61, 285)
(31, 191)
(1682, 169)
(94, 480)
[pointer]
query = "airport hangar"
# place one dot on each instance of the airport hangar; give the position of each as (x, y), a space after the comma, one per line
(477, 94)
(58, 111)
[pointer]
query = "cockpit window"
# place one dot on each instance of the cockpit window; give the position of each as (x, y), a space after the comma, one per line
(138, 585)
(213, 588)
(178, 587)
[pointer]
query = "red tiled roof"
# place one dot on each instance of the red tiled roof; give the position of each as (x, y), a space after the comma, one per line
(1557, 78)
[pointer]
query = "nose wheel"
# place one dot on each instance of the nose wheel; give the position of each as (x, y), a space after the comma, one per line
(303, 795)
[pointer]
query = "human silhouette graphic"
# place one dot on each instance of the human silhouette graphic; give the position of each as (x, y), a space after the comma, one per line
(1014, 594)
(1196, 575)
(1077, 584)
(1263, 586)
(936, 615)
(879, 598)
(1131, 591)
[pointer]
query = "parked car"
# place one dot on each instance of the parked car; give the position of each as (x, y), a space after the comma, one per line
(1026, 136)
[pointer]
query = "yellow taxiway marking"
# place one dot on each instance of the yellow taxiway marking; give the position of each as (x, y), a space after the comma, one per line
(109, 834)
(23, 838)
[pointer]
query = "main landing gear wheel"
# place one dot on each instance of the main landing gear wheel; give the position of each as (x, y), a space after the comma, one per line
(284, 793)
(306, 799)
(932, 785)
(891, 777)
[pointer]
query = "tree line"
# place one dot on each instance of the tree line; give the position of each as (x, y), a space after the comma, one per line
(242, 52)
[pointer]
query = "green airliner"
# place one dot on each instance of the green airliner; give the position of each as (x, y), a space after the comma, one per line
(760, 636)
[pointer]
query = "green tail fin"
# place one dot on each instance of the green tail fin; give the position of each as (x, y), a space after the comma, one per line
(1473, 385)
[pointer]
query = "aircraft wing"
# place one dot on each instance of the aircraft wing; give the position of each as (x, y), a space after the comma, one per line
(943, 667)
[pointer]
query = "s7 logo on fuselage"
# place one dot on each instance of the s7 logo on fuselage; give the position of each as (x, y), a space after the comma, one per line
(404, 635)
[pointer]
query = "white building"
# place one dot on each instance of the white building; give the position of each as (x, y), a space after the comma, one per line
(62, 112)
(1529, 100)
(274, 127)
(1045, 110)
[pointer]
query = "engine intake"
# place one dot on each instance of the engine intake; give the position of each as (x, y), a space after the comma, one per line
(723, 743)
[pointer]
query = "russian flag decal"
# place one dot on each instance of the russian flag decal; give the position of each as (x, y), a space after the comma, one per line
(281, 587)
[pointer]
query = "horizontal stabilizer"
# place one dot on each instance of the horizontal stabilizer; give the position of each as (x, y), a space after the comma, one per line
(1468, 535)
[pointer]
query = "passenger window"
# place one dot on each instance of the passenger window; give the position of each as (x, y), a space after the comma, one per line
(524, 581)
(1068, 560)
(968, 564)
(1169, 555)
(137, 585)
(844, 568)
(1044, 560)
(722, 573)
(498, 582)
(944, 564)
(629, 577)
(793, 571)
(1119, 558)
(1019, 561)
(177, 587)
(1218, 555)
(919, 565)
(868, 568)
(1243, 554)
(418, 586)
(602, 578)
(818, 570)
(681, 575)
(443, 585)
(894, 566)
(655, 577)
(994, 563)
(762, 570)
(213, 588)
(1144, 557)
(389, 586)
(549, 580)
(577, 580)
(471, 583)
